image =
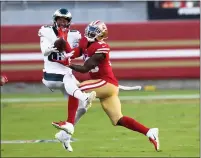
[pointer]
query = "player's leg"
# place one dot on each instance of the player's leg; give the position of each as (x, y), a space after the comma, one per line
(53, 85)
(70, 85)
(72, 102)
(65, 137)
(74, 110)
(72, 88)
(72, 105)
(89, 86)
(82, 109)
(62, 136)
(102, 88)
(80, 112)
(112, 107)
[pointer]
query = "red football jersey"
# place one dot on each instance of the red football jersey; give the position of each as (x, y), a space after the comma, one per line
(104, 69)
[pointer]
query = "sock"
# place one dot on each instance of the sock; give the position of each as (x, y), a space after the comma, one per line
(80, 112)
(72, 89)
(132, 124)
(80, 95)
(72, 108)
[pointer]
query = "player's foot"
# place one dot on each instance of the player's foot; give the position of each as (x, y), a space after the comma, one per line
(64, 138)
(66, 126)
(153, 137)
(91, 97)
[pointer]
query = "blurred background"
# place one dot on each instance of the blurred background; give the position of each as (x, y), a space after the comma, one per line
(152, 43)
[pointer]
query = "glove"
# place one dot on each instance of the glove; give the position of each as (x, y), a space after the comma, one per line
(68, 55)
(4, 80)
(66, 59)
(50, 49)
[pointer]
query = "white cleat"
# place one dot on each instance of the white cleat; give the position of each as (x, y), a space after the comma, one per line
(153, 137)
(91, 97)
(64, 138)
(63, 125)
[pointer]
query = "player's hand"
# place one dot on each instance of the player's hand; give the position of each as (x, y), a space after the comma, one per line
(69, 55)
(65, 59)
(4, 80)
(50, 49)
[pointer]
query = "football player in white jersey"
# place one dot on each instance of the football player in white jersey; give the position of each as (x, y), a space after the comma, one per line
(57, 76)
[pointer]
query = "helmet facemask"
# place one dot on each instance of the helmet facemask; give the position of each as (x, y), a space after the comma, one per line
(97, 31)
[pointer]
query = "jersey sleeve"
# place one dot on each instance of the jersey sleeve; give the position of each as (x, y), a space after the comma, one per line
(45, 43)
(40, 32)
(43, 31)
(77, 36)
(77, 53)
(78, 50)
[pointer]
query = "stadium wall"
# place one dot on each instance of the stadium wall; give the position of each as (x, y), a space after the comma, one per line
(146, 50)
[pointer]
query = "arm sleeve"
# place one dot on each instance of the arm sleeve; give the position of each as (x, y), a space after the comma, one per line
(77, 53)
(77, 39)
(44, 45)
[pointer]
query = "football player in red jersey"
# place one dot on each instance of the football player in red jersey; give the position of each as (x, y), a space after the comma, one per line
(97, 62)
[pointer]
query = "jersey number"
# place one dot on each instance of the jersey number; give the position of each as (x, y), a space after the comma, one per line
(55, 56)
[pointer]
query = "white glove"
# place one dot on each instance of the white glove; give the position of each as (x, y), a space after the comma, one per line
(68, 55)
(49, 50)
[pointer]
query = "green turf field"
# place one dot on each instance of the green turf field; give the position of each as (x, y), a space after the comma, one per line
(177, 120)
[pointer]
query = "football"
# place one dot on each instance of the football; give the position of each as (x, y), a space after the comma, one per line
(60, 44)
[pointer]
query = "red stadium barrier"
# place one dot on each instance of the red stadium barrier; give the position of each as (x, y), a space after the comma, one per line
(132, 37)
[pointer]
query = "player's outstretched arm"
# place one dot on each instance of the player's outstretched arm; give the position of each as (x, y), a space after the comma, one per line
(91, 63)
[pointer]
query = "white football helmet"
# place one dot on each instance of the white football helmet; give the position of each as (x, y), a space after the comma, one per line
(62, 13)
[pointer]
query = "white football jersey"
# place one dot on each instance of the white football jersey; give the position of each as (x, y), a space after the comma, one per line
(47, 39)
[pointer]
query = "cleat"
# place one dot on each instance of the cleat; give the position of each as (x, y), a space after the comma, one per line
(65, 139)
(91, 97)
(153, 137)
(66, 126)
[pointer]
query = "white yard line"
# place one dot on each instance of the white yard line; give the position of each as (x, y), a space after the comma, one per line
(31, 141)
(158, 97)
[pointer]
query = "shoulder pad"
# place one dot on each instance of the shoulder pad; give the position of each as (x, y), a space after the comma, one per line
(75, 34)
(46, 27)
(44, 30)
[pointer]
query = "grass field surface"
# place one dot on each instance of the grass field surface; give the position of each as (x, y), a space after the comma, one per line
(177, 120)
